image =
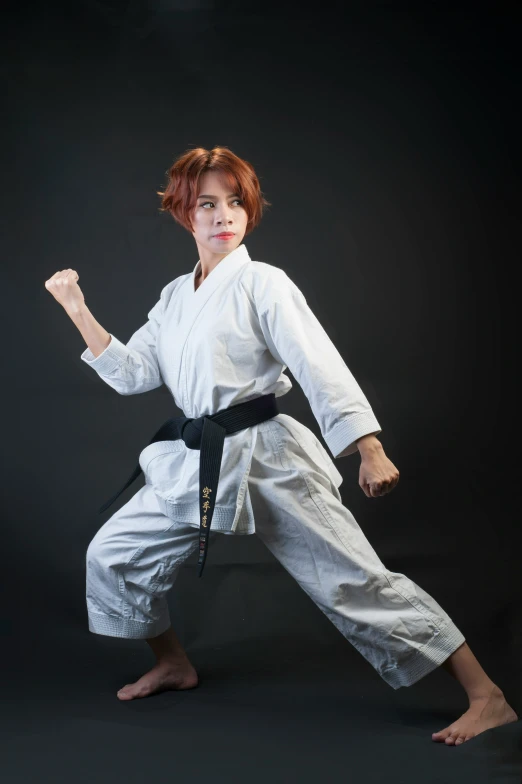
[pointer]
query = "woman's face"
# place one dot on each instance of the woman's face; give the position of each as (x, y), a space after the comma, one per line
(217, 211)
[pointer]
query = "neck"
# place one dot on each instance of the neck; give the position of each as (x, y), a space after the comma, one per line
(208, 261)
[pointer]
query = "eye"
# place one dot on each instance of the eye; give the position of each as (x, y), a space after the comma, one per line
(203, 204)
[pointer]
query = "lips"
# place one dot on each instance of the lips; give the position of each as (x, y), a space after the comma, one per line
(225, 234)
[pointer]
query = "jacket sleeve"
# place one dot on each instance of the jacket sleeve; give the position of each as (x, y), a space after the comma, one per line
(298, 341)
(133, 368)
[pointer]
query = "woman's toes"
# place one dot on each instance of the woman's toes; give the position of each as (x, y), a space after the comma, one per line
(459, 740)
(440, 735)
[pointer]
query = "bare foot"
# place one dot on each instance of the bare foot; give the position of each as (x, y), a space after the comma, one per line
(483, 714)
(166, 674)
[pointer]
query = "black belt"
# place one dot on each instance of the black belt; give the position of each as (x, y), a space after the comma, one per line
(207, 433)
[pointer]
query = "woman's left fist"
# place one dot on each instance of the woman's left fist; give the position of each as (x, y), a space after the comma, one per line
(377, 474)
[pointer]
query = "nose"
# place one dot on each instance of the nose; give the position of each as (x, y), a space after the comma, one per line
(223, 217)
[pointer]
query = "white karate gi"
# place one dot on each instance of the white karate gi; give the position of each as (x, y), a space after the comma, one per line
(226, 342)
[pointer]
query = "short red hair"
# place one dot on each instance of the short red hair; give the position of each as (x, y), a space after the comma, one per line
(180, 194)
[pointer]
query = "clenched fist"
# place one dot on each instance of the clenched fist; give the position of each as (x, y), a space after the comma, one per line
(64, 288)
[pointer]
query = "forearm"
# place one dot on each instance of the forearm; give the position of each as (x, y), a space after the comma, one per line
(96, 337)
(367, 445)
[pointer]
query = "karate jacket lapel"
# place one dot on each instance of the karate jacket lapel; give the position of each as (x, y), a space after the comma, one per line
(228, 265)
(195, 301)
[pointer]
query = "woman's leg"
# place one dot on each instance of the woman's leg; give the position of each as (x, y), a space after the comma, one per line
(398, 628)
(173, 669)
(396, 625)
(487, 705)
(132, 563)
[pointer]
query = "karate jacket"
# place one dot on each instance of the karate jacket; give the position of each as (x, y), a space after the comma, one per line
(226, 342)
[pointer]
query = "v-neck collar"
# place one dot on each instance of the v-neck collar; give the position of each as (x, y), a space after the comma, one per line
(228, 263)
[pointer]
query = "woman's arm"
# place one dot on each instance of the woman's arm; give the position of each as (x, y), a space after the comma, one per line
(368, 446)
(296, 338)
(96, 337)
(130, 368)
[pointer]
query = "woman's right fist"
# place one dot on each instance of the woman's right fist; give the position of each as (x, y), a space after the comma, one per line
(65, 289)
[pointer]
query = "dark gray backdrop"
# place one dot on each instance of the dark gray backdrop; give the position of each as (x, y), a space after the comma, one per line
(385, 139)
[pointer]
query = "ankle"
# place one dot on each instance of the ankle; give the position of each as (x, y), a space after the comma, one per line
(172, 658)
(486, 692)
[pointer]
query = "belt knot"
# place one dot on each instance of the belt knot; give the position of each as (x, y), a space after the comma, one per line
(192, 431)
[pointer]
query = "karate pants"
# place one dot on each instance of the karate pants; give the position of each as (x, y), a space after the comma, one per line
(133, 561)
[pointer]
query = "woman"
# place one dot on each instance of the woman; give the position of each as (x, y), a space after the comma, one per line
(220, 337)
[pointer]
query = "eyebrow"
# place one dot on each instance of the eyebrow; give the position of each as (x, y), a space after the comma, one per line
(209, 196)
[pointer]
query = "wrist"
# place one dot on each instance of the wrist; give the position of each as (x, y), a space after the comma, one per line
(77, 312)
(369, 444)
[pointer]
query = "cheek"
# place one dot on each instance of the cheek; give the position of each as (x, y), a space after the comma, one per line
(199, 221)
